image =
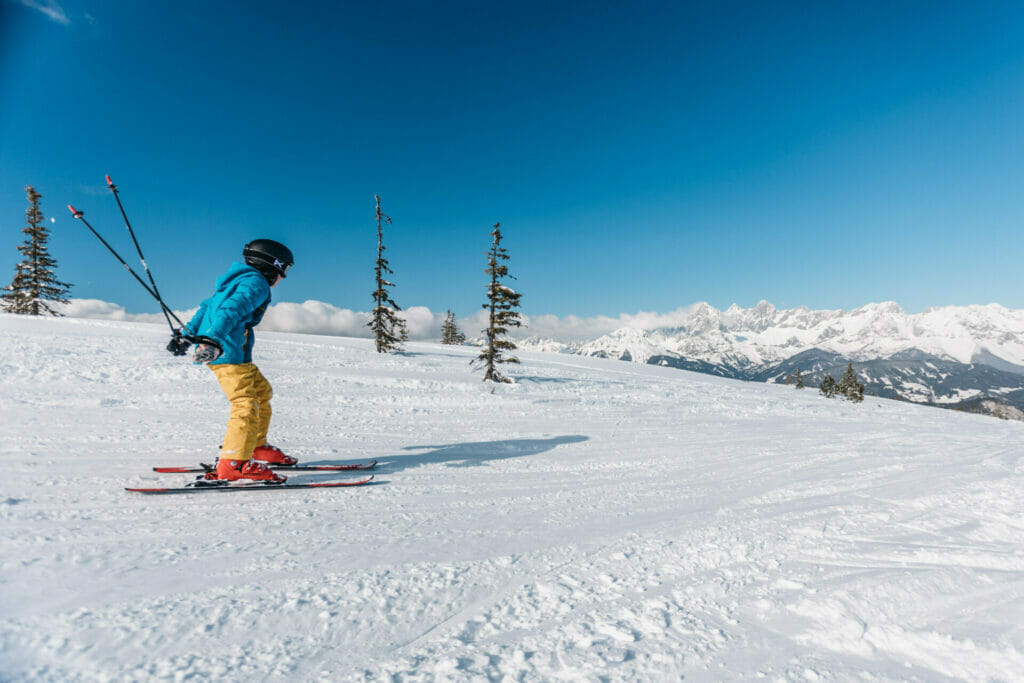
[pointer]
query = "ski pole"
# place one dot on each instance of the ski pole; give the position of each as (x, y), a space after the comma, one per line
(156, 292)
(80, 215)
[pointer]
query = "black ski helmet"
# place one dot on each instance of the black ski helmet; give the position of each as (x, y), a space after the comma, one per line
(269, 257)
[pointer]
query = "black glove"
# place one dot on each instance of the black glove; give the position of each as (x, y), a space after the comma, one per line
(179, 344)
(207, 351)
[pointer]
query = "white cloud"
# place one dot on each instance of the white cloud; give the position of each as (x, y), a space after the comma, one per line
(318, 317)
(92, 308)
(315, 317)
(574, 328)
(50, 8)
(104, 310)
(310, 317)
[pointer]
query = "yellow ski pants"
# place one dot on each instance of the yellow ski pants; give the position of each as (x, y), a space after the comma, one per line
(250, 394)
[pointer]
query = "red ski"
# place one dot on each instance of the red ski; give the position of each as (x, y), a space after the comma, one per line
(283, 468)
(205, 485)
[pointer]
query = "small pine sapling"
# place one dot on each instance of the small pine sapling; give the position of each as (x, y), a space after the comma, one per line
(450, 333)
(828, 387)
(849, 386)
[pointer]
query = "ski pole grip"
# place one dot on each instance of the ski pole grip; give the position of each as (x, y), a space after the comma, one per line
(75, 212)
(110, 183)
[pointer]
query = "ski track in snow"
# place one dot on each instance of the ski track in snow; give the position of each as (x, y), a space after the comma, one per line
(597, 520)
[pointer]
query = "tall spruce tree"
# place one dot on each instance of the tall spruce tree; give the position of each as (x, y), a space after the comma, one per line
(386, 325)
(450, 333)
(501, 301)
(799, 379)
(34, 282)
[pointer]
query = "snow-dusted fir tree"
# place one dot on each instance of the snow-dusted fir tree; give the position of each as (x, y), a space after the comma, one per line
(34, 282)
(386, 325)
(501, 301)
(799, 379)
(849, 386)
(828, 387)
(450, 333)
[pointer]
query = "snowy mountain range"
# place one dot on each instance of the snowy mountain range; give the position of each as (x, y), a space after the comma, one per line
(956, 356)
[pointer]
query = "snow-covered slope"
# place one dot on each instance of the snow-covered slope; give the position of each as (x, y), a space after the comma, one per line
(595, 520)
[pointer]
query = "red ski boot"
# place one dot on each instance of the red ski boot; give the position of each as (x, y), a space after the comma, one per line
(233, 470)
(272, 455)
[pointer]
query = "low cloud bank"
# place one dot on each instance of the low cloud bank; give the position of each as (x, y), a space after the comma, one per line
(104, 310)
(310, 317)
(317, 317)
(573, 328)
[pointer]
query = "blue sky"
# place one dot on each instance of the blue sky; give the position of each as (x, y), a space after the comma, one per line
(640, 156)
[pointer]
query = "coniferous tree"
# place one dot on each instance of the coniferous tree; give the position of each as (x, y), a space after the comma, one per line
(386, 325)
(799, 379)
(448, 328)
(501, 301)
(849, 387)
(34, 281)
(828, 386)
(450, 333)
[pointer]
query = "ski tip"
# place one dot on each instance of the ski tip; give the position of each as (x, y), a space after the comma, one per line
(110, 183)
(75, 212)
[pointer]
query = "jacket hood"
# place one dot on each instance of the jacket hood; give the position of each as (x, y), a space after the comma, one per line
(236, 271)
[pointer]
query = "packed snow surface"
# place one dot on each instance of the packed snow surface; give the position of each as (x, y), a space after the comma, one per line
(596, 520)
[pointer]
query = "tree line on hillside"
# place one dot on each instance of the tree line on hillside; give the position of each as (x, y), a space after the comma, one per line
(848, 386)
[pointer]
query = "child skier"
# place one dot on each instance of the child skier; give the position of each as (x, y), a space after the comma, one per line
(222, 330)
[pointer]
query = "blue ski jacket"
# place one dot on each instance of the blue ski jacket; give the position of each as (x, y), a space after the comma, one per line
(228, 316)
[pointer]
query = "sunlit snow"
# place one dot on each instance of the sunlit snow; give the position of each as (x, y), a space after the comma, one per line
(595, 520)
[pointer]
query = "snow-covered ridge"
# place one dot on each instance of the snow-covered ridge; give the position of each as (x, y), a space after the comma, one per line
(744, 338)
(763, 335)
(964, 357)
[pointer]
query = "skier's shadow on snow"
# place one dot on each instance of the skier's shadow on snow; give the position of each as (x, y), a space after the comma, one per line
(475, 454)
